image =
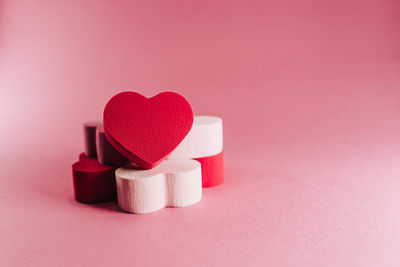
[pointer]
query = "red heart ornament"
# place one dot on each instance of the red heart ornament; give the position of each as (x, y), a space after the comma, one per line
(146, 130)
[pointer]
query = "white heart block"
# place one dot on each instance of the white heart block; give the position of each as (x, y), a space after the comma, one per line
(174, 183)
(203, 140)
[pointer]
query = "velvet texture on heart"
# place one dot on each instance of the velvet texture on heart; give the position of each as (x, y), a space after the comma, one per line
(147, 130)
(93, 182)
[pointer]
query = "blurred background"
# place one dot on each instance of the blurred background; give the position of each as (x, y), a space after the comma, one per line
(308, 90)
(278, 71)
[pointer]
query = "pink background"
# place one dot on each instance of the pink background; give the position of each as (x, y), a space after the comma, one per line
(309, 93)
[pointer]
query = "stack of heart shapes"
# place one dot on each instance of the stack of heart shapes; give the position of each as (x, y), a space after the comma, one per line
(150, 152)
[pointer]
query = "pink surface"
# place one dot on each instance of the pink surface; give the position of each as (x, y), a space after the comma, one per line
(309, 94)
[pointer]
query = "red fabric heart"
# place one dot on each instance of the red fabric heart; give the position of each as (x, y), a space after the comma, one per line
(146, 130)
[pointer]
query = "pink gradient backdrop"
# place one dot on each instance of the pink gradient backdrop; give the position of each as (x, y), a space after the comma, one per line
(309, 93)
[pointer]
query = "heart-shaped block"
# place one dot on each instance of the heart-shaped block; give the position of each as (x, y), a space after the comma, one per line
(204, 139)
(106, 153)
(89, 132)
(93, 182)
(174, 183)
(147, 130)
(212, 169)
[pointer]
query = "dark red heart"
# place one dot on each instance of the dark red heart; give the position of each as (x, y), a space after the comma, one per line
(146, 130)
(93, 182)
